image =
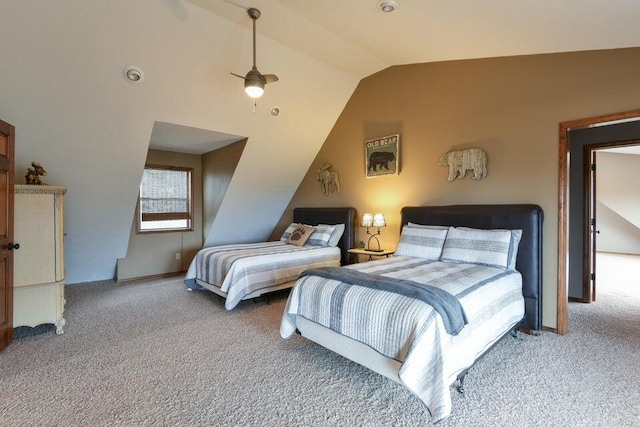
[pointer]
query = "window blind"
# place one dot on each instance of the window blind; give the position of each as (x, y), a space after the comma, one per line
(165, 195)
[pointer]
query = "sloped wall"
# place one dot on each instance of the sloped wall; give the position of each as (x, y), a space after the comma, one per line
(63, 89)
(218, 168)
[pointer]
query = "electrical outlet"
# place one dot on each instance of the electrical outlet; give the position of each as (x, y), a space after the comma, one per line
(177, 255)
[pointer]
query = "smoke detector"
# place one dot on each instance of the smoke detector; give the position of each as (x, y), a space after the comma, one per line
(387, 5)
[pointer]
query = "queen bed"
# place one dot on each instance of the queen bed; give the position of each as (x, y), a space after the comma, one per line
(244, 271)
(481, 265)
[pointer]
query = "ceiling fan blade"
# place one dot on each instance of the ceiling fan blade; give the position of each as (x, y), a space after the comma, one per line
(270, 78)
(238, 75)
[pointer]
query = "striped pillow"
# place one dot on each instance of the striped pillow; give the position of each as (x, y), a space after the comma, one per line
(516, 236)
(422, 242)
(484, 247)
(435, 227)
(321, 235)
(288, 231)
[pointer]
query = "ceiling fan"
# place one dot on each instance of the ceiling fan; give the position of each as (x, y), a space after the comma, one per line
(254, 81)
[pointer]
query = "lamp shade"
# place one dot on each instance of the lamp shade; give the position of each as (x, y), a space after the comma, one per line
(379, 221)
(367, 220)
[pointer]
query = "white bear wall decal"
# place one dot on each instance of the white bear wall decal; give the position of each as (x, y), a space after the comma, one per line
(460, 161)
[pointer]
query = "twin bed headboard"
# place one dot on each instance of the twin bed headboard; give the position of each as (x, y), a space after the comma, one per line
(526, 217)
(346, 216)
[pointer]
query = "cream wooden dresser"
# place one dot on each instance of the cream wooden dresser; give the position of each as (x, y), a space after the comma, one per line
(38, 268)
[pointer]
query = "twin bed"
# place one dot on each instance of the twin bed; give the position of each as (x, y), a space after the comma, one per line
(462, 278)
(245, 271)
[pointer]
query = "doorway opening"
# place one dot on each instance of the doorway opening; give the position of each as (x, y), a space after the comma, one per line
(610, 171)
(565, 154)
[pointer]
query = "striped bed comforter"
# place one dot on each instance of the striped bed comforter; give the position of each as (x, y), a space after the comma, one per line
(408, 330)
(241, 269)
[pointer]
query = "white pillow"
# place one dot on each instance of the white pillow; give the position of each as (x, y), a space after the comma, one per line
(475, 246)
(336, 235)
(422, 242)
(321, 235)
(516, 236)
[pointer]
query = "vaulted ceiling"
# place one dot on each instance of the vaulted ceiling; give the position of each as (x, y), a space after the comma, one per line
(357, 37)
(63, 89)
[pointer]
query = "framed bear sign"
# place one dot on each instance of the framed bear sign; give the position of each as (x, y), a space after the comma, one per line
(382, 156)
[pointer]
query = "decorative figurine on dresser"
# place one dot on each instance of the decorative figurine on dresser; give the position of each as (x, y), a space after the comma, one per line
(39, 276)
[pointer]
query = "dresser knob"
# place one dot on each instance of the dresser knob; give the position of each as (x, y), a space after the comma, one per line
(12, 246)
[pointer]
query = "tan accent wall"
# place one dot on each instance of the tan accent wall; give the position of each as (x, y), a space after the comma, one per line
(510, 107)
(154, 254)
(217, 170)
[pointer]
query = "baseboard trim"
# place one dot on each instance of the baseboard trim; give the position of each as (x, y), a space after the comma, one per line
(152, 276)
(617, 253)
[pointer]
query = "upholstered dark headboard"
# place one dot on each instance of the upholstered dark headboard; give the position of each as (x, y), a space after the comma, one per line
(528, 218)
(346, 216)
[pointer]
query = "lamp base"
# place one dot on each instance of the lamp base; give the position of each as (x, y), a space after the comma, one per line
(373, 236)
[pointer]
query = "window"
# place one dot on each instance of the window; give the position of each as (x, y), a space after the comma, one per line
(164, 201)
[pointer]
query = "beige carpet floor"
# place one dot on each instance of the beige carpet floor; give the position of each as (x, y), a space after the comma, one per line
(150, 353)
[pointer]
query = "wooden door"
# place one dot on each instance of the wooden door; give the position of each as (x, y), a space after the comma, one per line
(7, 135)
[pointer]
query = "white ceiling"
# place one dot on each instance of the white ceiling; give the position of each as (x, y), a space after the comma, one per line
(186, 139)
(356, 37)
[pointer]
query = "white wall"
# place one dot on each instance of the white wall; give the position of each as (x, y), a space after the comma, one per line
(618, 210)
(62, 87)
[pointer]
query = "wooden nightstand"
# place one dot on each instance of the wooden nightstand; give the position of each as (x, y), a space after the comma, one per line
(370, 254)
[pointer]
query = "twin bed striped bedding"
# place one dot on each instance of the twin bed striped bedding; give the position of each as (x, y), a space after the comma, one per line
(409, 330)
(241, 269)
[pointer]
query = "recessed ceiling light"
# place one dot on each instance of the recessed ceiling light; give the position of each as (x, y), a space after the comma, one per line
(387, 5)
(133, 74)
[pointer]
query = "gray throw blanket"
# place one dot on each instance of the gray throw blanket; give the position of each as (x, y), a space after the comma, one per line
(447, 305)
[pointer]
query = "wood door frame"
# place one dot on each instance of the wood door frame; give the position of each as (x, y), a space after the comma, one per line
(589, 225)
(563, 202)
(6, 328)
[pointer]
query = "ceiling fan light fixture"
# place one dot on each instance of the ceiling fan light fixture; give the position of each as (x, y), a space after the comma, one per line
(387, 5)
(254, 89)
(254, 81)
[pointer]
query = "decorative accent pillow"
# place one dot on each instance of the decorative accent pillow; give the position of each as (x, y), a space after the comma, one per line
(300, 235)
(422, 242)
(474, 246)
(321, 235)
